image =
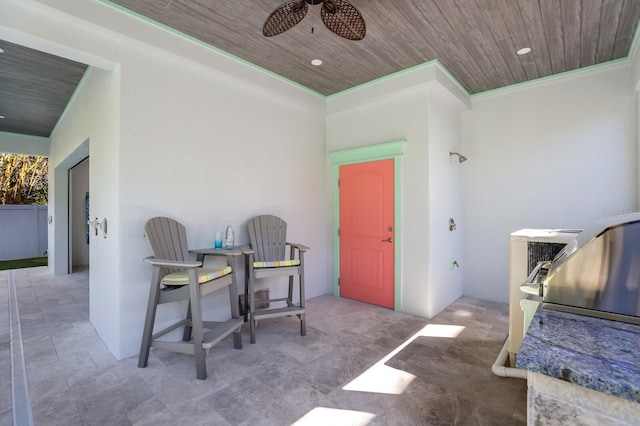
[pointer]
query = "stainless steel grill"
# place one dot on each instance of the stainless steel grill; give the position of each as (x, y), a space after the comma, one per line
(597, 274)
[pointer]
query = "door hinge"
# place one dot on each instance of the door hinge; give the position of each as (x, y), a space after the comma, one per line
(338, 282)
(338, 232)
(338, 183)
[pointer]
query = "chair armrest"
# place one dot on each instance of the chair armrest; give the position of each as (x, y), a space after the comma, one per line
(298, 246)
(172, 263)
(246, 249)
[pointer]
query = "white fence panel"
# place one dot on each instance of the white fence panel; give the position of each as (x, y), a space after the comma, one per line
(23, 231)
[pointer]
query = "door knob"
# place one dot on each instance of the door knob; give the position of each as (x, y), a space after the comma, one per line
(388, 240)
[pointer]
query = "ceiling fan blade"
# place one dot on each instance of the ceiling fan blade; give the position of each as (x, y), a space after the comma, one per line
(285, 17)
(343, 19)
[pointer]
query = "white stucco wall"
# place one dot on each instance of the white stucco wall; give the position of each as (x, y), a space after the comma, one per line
(91, 128)
(445, 200)
(370, 116)
(559, 153)
(176, 136)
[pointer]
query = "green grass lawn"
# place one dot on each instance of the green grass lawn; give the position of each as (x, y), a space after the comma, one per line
(23, 263)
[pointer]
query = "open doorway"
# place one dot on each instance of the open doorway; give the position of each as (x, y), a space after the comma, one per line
(78, 216)
(61, 231)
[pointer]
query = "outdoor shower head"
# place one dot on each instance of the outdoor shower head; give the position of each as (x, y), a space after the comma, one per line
(461, 157)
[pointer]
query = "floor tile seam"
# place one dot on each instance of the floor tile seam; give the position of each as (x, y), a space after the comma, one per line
(53, 345)
(42, 400)
(128, 413)
(178, 410)
(42, 353)
(20, 401)
(95, 362)
(136, 370)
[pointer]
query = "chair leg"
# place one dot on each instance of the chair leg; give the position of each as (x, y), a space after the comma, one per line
(196, 322)
(252, 310)
(303, 317)
(290, 297)
(201, 363)
(252, 328)
(235, 309)
(237, 339)
(246, 289)
(187, 328)
(147, 333)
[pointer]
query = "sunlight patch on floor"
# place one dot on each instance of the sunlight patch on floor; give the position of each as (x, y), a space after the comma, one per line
(441, 330)
(335, 417)
(380, 378)
(463, 313)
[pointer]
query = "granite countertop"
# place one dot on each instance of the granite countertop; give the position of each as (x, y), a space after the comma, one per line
(596, 353)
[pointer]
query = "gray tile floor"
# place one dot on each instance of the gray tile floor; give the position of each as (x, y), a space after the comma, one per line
(359, 364)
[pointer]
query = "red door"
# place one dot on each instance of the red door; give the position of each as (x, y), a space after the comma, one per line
(367, 232)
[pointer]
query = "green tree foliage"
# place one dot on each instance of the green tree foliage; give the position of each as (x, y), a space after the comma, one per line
(24, 179)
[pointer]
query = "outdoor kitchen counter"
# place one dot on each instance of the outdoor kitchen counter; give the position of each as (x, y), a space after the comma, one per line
(582, 352)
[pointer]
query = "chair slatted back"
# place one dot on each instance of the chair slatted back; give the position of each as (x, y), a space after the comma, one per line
(268, 237)
(168, 240)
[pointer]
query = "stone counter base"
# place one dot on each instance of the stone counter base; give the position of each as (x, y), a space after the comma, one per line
(556, 402)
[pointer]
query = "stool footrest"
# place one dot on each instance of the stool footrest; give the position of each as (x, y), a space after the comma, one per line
(278, 312)
(219, 331)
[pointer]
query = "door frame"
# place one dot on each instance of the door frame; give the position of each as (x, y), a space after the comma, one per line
(72, 180)
(383, 151)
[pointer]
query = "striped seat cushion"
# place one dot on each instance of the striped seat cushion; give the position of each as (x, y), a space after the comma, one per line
(276, 263)
(204, 275)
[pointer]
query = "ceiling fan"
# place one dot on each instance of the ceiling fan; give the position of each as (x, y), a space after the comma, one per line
(339, 16)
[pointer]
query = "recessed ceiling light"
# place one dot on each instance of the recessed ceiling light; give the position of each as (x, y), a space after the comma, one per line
(2, 116)
(523, 51)
(316, 62)
(1, 50)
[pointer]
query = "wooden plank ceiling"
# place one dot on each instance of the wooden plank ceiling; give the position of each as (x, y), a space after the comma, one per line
(475, 40)
(35, 89)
